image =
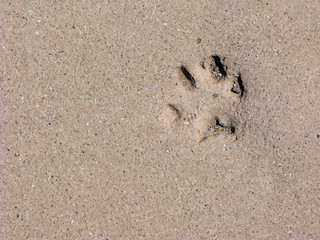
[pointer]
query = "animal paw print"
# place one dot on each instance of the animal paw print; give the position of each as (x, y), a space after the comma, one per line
(207, 99)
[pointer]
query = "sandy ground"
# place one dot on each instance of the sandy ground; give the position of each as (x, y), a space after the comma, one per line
(116, 125)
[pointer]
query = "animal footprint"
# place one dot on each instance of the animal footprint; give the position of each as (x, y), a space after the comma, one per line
(208, 98)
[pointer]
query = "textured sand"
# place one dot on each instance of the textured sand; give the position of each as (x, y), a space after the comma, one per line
(103, 136)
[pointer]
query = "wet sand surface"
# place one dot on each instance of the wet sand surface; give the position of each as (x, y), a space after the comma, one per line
(160, 120)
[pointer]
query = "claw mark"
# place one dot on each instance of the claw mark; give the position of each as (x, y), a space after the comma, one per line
(238, 86)
(219, 68)
(172, 112)
(215, 66)
(240, 82)
(215, 127)
(188, 76)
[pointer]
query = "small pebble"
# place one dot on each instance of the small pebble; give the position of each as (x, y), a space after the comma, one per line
(236, 89)
(198, 40)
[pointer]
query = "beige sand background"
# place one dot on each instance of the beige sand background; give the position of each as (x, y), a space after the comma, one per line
(85, 155)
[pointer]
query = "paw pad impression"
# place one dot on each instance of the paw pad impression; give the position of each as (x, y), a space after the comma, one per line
(209, 96)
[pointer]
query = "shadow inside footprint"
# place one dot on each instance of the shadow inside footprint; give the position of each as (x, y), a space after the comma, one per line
(219, 64)
(240, 82)
(214, 127)
(188, 76)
